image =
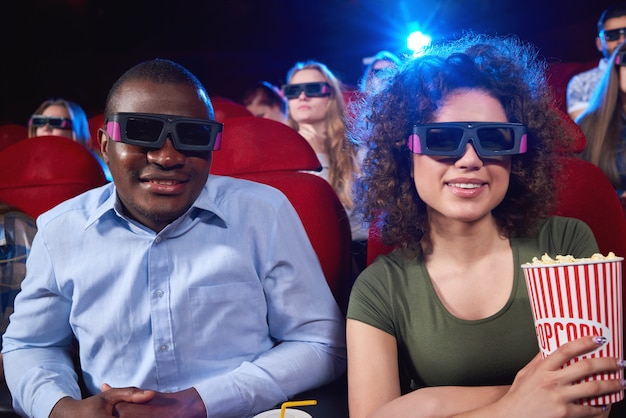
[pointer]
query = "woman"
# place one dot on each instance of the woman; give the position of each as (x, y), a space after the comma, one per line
(459, 175)
(60, 117)
(316, 111)
(603, 122)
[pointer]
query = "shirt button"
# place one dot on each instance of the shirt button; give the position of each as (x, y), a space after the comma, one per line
(160, 293)
(164, 348)
(158, 240)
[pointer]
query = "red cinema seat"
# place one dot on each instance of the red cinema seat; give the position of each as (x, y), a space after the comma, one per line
(10, 133)
(272, 153)
(38, 173)
(225, 109)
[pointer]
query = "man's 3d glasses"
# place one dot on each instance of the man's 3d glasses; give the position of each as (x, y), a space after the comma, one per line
(613, 34)
(150, 130)
(293, 91)
(490, 139)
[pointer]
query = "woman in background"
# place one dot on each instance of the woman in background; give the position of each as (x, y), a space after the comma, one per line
(60, 117)
(316, 111)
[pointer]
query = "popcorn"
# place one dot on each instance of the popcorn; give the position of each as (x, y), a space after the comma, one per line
(573, 297)
(559, 259)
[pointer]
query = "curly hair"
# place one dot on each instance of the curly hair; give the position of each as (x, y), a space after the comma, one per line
(503, 67)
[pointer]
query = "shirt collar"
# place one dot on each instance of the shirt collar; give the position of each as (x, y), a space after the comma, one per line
(603, 63)
(111, 203)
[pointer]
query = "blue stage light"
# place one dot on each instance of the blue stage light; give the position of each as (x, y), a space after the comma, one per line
(417, 40)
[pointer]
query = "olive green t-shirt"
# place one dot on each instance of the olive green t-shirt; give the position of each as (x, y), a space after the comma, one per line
(435, 348)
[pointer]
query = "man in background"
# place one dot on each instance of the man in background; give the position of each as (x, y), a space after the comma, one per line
(611, 32)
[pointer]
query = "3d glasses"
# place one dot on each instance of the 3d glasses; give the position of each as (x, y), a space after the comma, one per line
(489, 139)
(320, 89)
(613, 34)
(55, 122)
(150, 130)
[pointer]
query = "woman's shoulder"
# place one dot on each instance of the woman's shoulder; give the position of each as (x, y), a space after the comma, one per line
(560, 235)
(561, 224)
(390, 269)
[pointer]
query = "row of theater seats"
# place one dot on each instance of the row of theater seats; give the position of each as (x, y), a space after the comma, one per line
(265, 151)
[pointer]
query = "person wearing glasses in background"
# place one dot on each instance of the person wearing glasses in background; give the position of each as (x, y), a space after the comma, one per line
(604, 125)
(60, 117)
(265, 100)
(189, 295)
(611, 32)
(459, 177)
(381, 68)
(316, 111)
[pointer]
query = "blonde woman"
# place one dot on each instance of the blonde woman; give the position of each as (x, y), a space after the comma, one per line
(316, 111)
(60, 117)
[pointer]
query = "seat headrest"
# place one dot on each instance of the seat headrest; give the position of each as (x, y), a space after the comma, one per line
(225, 109)
(11, 133)
(38, 173)
(42, 159)
(252, 144)
(570, 130)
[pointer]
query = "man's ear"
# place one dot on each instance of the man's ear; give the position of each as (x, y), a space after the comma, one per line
(599, 45)
(103, 141)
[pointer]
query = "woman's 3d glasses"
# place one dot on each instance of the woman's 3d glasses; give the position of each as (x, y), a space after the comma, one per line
(489, 139)
(55, 122)
(320, 89)
(150, 130)
(613, 34)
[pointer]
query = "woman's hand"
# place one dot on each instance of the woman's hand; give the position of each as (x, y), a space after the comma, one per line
(316, 139)
(544, 388)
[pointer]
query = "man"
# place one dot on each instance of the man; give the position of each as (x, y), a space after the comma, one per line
(265, 100)
(611, 32)
(189, 295)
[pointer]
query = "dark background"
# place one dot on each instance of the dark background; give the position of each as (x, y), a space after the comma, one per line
(77, 48)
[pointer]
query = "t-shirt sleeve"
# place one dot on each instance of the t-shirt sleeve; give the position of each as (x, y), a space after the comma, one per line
(370, 298)
(568, 236)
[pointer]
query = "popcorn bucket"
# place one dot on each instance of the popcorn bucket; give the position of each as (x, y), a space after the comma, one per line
(577, 299)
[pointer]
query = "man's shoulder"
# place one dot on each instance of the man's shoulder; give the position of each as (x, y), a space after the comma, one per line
(236, 185)
(594, 73)
(224, 189)
(80, 206)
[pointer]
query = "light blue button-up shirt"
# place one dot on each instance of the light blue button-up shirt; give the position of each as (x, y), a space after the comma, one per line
(203, 303)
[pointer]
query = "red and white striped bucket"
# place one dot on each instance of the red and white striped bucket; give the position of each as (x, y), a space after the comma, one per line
(573, 300)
